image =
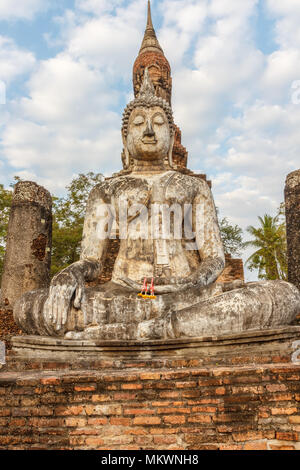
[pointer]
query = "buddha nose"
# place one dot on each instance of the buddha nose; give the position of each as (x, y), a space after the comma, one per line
(149, 132)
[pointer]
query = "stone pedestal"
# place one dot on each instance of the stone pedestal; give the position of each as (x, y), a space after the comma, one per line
(235, 392)
(28, 248)
(292, 208)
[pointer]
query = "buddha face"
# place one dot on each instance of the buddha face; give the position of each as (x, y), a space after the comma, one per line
(148, 134)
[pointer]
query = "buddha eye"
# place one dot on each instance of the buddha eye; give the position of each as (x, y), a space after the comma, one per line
(138, 120)
(158, 119)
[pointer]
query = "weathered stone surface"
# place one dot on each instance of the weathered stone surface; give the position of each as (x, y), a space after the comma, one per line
(28, 248)
(292, 209)
(259, 346)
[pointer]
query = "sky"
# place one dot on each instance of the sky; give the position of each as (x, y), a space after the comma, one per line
(66, 76)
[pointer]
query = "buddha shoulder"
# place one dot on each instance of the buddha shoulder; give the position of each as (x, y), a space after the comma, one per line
(113, 188)
(188, 186)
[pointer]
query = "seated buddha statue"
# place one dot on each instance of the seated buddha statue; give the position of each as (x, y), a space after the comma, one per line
(168, 229)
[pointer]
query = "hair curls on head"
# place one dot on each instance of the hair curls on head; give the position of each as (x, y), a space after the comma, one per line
(147, 98)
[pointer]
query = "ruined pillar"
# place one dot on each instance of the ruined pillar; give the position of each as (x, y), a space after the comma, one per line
(292, 209)
(28, 248)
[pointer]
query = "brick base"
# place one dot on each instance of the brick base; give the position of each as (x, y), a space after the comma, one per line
(189, 408)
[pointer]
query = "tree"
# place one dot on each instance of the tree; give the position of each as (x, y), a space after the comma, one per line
(5, 203)
(68, 218)
(232, 237)
(270, 258)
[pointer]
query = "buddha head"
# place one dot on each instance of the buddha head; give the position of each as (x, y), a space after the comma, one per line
(148, 128)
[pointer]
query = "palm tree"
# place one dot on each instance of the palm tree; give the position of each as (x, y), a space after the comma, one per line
(270, 258)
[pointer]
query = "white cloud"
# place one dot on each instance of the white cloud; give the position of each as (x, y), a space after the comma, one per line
(21, 9)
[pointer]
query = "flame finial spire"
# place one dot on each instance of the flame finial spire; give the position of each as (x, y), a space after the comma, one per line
(149, 17)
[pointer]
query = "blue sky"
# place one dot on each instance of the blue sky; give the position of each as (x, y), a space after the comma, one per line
(67, 69)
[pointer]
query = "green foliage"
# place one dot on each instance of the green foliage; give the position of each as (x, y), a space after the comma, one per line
(232, 237)
(68, 218)
(270, 258)
(5, 203)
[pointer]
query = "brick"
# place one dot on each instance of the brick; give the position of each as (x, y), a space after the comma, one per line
(294, 419)
(46, 422)
(105, 410)
(146, 420)
(186, 384)
(249, 389)
(161, 440)
(283, 411)
(94, 441)
(97, 421)
(287, 436)
(131, 386)
(124, 396)
(280, 397)
(29, 401)
(84, 432)
(163, 431)
(150, 376)
(173, 410)
(85, 388)
(77, 422)
(132, 431)
(174, 419)
(171, 375)
(17, 422)
(230, 447)
(276, 388)
(169, 394)
(161, 403)
(138, 411)
(256, 445)
(203, 409)
(199, 419)
(50, 381)
(281, 447)
(248, 436)
(120, 421)
(101, 398)
(69, 410)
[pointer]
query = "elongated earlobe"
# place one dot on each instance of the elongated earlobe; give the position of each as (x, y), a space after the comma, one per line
(171, 163)
(125, 155)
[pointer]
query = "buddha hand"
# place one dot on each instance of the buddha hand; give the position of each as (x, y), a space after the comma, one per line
(65, 286)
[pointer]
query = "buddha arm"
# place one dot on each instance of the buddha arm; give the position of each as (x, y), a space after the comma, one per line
(69, 283)
(208, 238)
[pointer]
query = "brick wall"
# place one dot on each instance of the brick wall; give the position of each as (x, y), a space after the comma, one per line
(234, 270)
(252, 407)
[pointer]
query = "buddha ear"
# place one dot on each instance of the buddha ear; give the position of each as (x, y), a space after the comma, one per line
(125, 154)
(172, 165)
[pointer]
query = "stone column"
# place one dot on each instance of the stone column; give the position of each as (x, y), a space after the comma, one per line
(28, 248)
(292, 208)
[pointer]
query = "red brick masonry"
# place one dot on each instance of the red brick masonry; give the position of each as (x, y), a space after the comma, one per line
(236, 407)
